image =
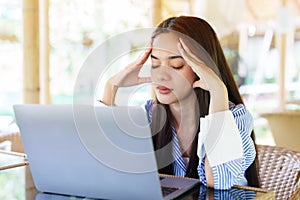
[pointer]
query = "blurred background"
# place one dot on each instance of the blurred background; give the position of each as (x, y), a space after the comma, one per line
(43, 44)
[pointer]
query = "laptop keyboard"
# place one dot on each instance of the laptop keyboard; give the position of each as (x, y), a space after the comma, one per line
(168, 190)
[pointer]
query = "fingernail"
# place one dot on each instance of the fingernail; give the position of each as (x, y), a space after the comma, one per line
(179, 46)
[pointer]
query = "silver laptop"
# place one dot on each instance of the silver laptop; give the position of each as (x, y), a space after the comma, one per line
(94, 152)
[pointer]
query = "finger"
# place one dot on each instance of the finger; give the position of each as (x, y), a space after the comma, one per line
(190, 58)
(192, 62)
(196, 84)
(150, 43)
(144, 80)
(191, 55)
(187, 50)
(185, 54)
(185, 47)
(143, 58)
(148, 48)
(201, 84)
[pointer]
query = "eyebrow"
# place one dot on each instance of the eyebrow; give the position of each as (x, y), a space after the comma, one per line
(171, 57)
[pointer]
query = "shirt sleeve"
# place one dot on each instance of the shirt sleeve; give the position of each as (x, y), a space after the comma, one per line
(220, 137)
(225, 139)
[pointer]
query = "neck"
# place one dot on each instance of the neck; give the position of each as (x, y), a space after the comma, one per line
(185, 112)
(186, 117)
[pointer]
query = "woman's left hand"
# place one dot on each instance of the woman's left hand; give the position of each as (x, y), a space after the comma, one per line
(208, 79)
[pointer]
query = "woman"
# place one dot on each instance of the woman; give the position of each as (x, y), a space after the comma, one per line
(192, 80)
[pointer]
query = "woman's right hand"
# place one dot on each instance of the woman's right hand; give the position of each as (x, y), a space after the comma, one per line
(129, 76)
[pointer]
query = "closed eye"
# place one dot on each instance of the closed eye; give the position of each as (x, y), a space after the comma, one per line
(154, 66)
(178, 67)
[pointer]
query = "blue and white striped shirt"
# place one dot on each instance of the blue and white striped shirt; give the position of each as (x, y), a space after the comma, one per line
(229, 173)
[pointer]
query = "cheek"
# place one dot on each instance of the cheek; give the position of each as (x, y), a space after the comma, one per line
(190, 76)
(183, 82)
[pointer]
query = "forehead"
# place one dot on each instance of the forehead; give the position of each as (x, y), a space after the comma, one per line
(165, 44)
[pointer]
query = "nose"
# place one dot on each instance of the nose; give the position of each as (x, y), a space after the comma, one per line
(161, 73)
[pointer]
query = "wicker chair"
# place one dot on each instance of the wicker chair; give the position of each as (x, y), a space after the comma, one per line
(279, 170)
(15, 139)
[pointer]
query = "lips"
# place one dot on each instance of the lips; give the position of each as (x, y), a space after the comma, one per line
(163, 90)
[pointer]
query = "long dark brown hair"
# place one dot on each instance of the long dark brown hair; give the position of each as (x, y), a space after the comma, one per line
(201, 32)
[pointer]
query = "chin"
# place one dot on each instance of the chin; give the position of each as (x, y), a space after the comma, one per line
(166, 100)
